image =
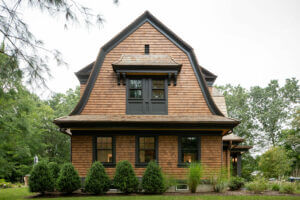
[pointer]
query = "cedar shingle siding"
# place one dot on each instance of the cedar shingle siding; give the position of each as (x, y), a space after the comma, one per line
(108, 97)
(188, 108)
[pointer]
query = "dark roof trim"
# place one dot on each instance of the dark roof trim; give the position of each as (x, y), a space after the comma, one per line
(146, 17)
(84, 73)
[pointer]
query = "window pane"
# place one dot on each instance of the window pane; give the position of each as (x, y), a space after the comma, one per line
(147, 155)
(189, 149)
(104, 155)
(135, 84)
(158, 84)
(142, 142)
(189, 157)
(104, 142)
(158, 94)
(136, 94)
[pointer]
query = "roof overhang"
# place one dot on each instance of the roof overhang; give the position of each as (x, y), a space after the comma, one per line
(146, 65)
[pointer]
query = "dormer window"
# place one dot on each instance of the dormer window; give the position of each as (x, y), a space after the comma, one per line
(147, 95)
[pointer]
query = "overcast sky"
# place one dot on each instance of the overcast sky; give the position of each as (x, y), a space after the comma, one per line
(247, 42)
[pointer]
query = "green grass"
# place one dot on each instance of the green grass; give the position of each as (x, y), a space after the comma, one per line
(21, 193)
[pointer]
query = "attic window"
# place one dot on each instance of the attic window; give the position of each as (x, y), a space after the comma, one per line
(147, 48)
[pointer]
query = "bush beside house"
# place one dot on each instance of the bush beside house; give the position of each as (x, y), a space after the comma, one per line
(40, 179)
(68, 180)
(153, 181)
(194, 176)
(125, 179)
(97, 181)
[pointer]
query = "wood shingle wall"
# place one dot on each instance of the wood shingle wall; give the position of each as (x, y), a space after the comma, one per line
(211, 154)
(108, 97)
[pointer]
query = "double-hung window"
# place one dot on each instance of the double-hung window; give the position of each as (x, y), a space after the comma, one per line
(147, 95)
(188, 149)
(104, 150)
(146, 150)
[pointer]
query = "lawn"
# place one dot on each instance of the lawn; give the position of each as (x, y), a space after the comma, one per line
(21, 193)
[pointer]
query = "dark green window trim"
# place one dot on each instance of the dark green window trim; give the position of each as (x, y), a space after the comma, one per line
(105, 164)
(147, 105)
(137, 151)
(182, 164)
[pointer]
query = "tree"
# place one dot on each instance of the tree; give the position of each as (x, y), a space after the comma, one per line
(275, 163)
(272, 107)
(22, 45)
(97, 181)
(238, 107)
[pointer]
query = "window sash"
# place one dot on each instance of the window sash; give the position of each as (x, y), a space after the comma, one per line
(104, 144)
(143, 150)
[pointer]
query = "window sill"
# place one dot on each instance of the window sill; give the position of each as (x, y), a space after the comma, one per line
(183, 165)
(109, 165)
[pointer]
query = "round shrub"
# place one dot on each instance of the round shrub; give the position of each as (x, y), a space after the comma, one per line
(153, 181)
(236, 183)
(54, 170)
(40, 179)
(275, 186)
(125, 179)
(97, 181)
(68, 180)
(194, 176)
(257, 186)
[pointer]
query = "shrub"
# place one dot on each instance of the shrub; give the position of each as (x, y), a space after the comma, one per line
(153, 181)
(219, 181)
(275, 163)
(40, 179)
(97, 181)
(54, 170)
(194, 176)
(169, 182)
(68, 180)
(236, 183)
(125, 179)
(257, 186)
(275, 186)
(288, 188)
(4, 184)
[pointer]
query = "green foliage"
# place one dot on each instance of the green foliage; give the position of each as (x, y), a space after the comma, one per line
(27, 130)
(275, 186)
(169, 181)
(257, 186)
(236, 183)
(219, 180)
(288, 188)
(97, 181)
(40, 179)
(68, 180)
(275, 163)
(125, 179)
(195, 174)
(153, 181)
(249, 165)
(54, 171)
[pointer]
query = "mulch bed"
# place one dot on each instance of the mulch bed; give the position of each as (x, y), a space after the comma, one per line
(227, 193)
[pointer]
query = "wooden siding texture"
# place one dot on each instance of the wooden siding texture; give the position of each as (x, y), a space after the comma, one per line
(82, 87)
(107, 97)
(211, 154)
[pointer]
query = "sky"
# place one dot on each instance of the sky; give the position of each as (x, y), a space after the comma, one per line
(246, 42)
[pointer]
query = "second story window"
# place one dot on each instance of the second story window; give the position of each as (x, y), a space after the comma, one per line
(147, 96)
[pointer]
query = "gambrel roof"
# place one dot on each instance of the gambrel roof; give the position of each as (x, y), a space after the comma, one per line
(187, 49)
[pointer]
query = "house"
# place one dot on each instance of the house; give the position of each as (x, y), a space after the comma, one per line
(145, 97)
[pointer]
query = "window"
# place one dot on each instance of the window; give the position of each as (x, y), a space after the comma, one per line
(146, 150)
(104, 150)
(146, 96)
(147, 48)
(188, 149)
